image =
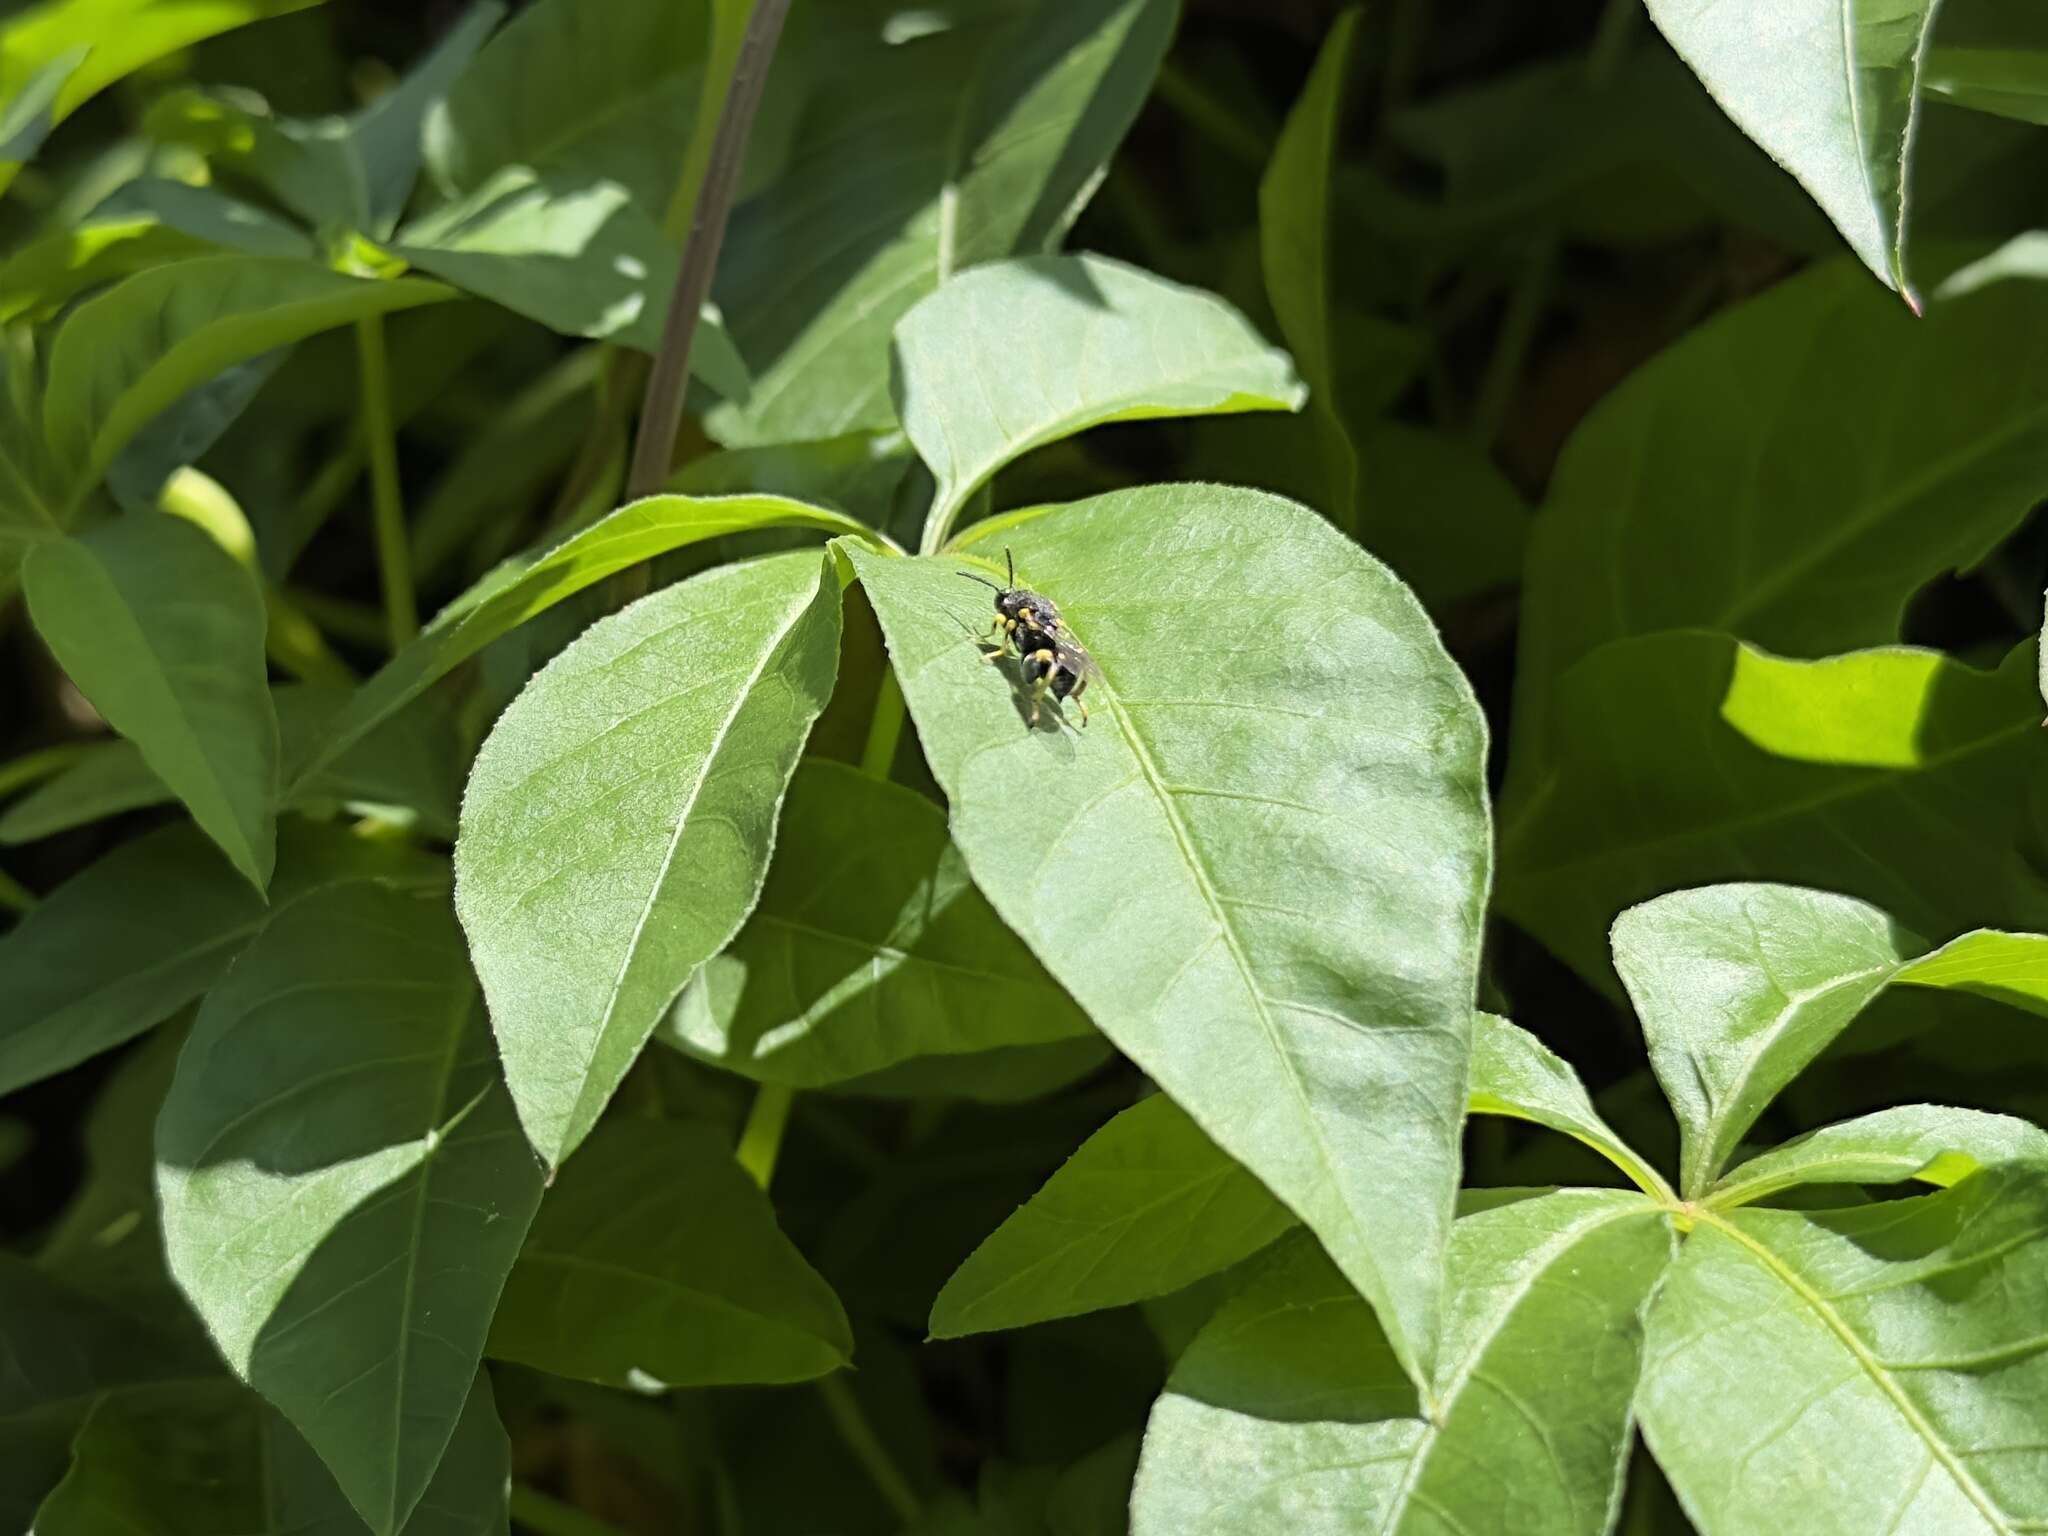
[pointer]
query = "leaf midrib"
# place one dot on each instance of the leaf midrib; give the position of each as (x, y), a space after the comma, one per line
(1874, 1368)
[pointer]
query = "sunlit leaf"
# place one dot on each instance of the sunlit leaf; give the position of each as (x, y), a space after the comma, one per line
(1303, 811)
(618, 821)
(1830, 89)
(527, 586)
(163, 631)
(1928, 1142)
(656, 1262)
(386, 136)
(1844, 1372)
(344, 1184)
(1739, 987)
(1017, 354)
(870, 946)
(1516, 1075)
(1289, 1412)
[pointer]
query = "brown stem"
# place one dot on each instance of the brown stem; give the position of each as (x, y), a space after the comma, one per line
(662, 409)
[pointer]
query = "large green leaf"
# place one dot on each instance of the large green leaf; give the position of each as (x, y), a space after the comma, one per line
(918, 157)
(870, 946)
(1790, 473)
(1739, 987)
(1844, 1372)
(1928, 1142)
(1830, 89)
(1295, 250)
(618, 821)
(343, 1182)
(199, 1458)
(1017, 354)
(163, 631)
(126, 355)
(1288, 1412)
(40, 276)
(57, 55)
(385, 138)
(127, 942)
(1148, 1204)
(522, 588)
(1900, 776)
(656, 1262)
(1302, 807)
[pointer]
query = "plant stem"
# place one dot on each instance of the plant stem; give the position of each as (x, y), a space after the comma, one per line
(394, 547)
(1517, 330)
(662, 409)
(853, 1428)
(355, 622)
(551, 1517)
(761, 1138)
(879, 755)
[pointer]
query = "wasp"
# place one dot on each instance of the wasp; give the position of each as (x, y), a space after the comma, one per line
(1053, 661)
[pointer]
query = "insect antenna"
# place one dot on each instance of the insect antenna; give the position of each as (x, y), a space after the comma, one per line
(982, 579)
(1012, 561)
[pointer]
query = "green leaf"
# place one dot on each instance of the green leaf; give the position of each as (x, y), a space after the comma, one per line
(577, 255)
(343, 1182)
(1288, 1412)
(40, 276)
(603, 89)
(523, 588)
(1790, 472)
(1993, 57)
(163, 631)
(127, 942)
(617, 824)
(1147, 1205)
(1900, 776)
(401, 769)
(656, 1263)
(1017, 354)
(64, 1352)
(385, 137)
(1517, 1075)
(109, 778)
(1843, 1372)
(1739, 987)
(1928, 1142)
(1439, 512)
(55, 57)
(1829, 89)
(126, 355)
(1294, 250)
(202, 1457)
(1310, 1012)
(306, 166)
(974, 141)
(869, 946)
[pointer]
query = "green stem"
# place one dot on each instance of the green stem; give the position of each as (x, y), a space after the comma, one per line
(34, 767)
(295, 643)
(355, 622)
(879, 755)
(853, 1428)
(551, 1517)
(1611, 37)
(15, 896)
(380, 435)
(761, 1139)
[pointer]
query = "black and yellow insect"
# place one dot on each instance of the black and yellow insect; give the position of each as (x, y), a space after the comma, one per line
(1052, 660)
